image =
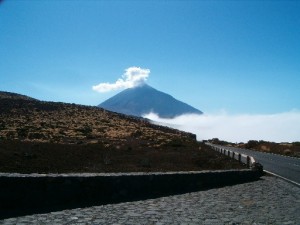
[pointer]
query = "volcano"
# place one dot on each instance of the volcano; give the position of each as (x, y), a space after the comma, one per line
(144, 99)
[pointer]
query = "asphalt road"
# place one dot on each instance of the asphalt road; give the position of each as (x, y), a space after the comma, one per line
(287, 167)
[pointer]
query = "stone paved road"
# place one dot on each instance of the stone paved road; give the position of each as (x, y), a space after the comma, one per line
(267, 201)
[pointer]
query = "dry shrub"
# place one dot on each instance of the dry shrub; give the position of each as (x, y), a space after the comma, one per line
(265, 148)
(287, 152)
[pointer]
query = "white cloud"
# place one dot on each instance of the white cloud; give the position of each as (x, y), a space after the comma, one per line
(133, 76)
(281, 127)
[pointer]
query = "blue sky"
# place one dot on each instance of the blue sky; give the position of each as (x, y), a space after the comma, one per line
(241, 57)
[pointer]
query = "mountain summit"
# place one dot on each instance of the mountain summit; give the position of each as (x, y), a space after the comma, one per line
(144, 99)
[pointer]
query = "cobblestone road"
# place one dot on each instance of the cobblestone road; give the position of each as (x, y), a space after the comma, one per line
(267, 201)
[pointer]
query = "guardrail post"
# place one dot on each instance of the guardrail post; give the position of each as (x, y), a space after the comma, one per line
(240, 157)
(228, 153)
(248, 161)
(233, 154)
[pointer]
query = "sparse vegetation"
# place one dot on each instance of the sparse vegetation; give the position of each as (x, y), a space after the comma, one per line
(47, 137)
(32, 120)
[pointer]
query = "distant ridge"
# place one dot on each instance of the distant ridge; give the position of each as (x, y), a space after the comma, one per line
(10, 95)
(145, 99)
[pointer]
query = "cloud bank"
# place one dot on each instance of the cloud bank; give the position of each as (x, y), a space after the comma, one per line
(281, 127)
(133, 76)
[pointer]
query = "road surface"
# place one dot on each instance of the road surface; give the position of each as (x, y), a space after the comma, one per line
(287, 167)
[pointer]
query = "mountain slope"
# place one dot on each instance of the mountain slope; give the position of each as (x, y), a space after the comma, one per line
(26, 119)
(145, 99)
(49, 137)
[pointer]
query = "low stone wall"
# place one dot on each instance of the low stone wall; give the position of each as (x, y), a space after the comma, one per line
(38, 193)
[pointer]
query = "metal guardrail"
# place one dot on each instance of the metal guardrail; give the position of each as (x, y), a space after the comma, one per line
(242, 158)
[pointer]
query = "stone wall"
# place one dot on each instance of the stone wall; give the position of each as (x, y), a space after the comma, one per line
(37, 193)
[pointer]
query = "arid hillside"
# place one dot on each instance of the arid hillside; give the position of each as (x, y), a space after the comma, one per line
(38, 136)
(32, 120)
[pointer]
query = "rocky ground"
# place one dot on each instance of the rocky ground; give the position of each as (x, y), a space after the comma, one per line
(30, 157)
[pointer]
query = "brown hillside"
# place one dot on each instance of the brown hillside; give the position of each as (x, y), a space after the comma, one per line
(37, 136)
(32, 120)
